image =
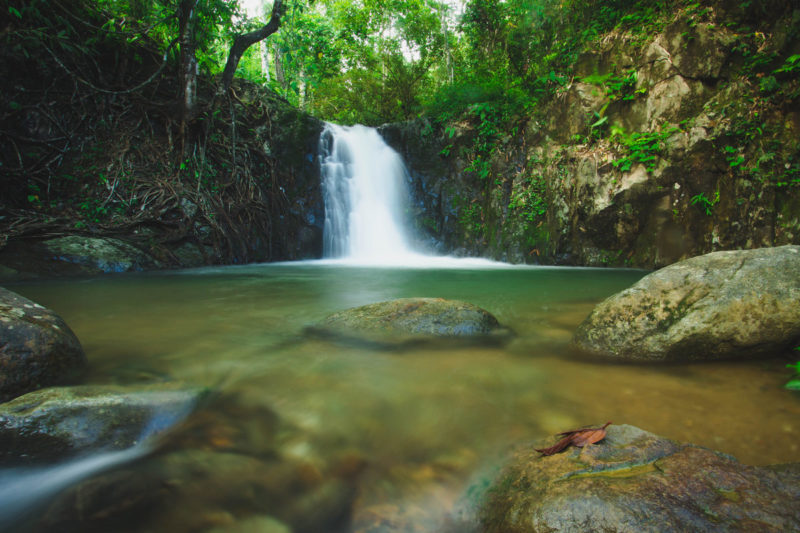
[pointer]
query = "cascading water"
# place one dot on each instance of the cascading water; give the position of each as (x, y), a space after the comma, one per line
(364, 184)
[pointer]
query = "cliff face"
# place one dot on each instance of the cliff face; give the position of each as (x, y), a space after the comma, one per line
(659, 147)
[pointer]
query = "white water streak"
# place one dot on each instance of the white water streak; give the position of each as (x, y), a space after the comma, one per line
(364, 182)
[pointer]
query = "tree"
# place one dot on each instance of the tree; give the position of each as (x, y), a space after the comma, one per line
(242, 42)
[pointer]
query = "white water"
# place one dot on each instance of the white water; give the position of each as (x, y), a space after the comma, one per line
(366, 198)
(24, 490)
(364, 183)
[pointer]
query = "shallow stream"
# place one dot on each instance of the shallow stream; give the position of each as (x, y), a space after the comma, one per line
(312, 432)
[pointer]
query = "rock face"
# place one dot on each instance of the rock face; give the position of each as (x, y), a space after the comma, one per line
(408, 320)
(60, 422)
(721, 305)
(36, 347)
(637, 481)
(669, 167)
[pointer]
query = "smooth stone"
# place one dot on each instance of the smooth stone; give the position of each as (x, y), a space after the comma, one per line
(37, 348)
(723, 305)
(60, 422)
(409, 321)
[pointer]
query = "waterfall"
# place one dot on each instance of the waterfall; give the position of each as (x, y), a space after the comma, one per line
(364, 185)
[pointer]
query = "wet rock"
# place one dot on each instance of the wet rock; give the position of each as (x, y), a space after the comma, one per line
(637, 481)
(99, 255)
(60, 422)
(37, 348)
(411, 320)
(200, 490)
(736, 304)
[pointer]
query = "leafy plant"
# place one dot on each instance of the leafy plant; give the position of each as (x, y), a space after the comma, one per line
(794, 382)
(642, 147)
(705, 203)
(790, 66)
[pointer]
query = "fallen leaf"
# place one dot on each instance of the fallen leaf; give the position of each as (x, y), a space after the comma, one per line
(576, 437)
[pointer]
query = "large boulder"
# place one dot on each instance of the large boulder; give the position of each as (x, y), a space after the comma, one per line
(37, 348)
(722, 305)
(411, 320)
(60, 422)
(637, 481)
(99, 255)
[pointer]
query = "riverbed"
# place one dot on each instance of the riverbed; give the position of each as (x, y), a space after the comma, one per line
(399, 434)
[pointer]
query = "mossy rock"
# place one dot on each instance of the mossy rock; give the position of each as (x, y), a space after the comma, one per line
(409, 321)
(99, 255)
(722, 305)
(637, 481)
(60, 422)
(37, 348)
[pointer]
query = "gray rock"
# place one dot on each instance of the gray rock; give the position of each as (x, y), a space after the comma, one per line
(37, 348)
(735, 304)
(59, 422)
(99, 255)
(410, 320)
(635, 481)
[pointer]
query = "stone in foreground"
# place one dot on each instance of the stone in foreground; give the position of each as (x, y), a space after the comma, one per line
(37, 348)
(722, 305)
(409, 320)
(635, 481)
(60, 422)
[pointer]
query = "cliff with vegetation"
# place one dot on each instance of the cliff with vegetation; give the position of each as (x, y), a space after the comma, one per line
(673, 134)
(95, 149)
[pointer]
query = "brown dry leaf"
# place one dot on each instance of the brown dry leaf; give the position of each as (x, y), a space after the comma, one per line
(576, 437)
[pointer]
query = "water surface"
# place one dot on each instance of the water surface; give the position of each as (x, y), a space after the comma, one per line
(403, 431)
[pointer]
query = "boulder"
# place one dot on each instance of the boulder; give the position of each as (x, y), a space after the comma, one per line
(99, 255)
(637, 481)
(410, 320)
(37, 348)
(61, 422)
(723, 305)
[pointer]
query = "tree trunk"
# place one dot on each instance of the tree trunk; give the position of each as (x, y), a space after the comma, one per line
(447, 55)
(244, 41)
(187, 11)
(265, 61)
(279, 76)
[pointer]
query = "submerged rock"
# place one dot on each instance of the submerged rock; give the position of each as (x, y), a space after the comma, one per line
(202, 490)
(409, 320)
(37, 348)
(61, 422)
(721, 305)
(637, 481)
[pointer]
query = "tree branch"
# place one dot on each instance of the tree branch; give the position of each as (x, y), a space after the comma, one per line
(245, 40)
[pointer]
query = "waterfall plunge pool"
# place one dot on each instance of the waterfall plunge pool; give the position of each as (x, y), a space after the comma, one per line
(388, 440)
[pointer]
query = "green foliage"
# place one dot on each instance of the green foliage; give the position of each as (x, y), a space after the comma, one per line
(790, 66)
(704, 203)
(529, 201)
(617, 86)
(642, 147)
(471, 219)
(794, 382)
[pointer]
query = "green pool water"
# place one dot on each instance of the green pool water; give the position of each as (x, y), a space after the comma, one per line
(404, 432)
